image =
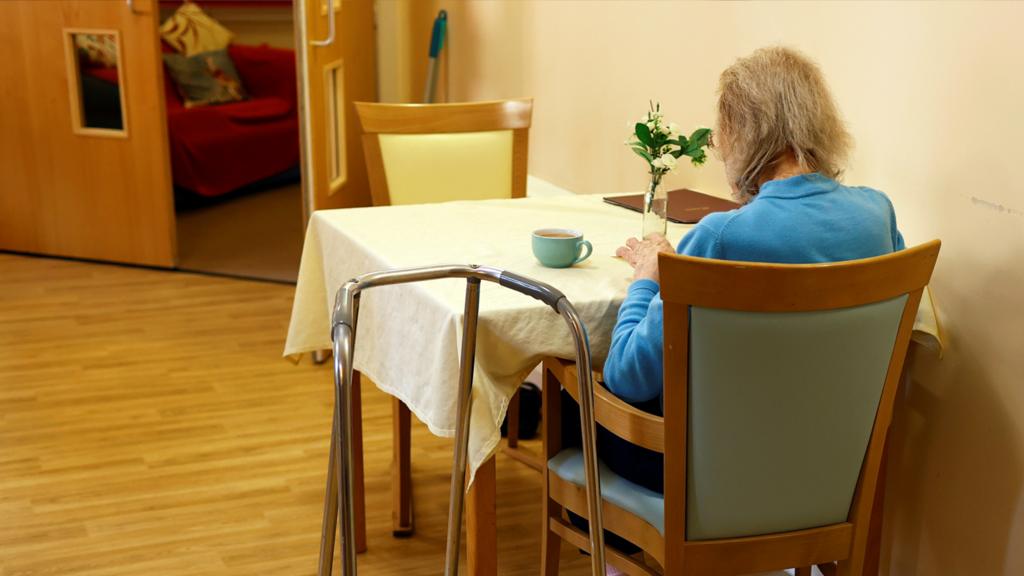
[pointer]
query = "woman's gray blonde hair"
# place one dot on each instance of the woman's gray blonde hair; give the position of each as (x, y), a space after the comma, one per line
(773, 101)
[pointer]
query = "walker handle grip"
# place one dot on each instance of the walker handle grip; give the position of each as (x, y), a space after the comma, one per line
(546, 293)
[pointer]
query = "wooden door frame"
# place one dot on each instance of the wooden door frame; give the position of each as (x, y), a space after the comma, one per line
(354, 189)
(305, 132)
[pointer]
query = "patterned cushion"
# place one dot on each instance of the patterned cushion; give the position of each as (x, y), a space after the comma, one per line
(97, 49)
(206, 78)
(190, 31)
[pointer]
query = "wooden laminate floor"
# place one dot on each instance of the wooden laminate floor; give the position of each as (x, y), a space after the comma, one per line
(148, 425)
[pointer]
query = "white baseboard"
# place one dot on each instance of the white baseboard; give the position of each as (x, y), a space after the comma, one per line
(540, 188)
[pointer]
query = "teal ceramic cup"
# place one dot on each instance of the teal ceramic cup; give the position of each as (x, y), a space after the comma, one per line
(560, 247)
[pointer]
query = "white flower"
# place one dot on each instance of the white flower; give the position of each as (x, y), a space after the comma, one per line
(673, 130)
(668, 161)
(658, 164)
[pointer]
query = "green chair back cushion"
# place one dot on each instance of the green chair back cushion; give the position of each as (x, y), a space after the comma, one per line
(780, 411)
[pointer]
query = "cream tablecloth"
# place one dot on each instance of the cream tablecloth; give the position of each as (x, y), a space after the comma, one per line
(408, 336)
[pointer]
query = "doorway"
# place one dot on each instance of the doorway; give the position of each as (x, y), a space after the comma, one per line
(258, 129)
(233, 134)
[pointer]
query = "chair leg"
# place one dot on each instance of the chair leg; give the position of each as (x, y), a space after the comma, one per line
(873, 553)
(512, 436)
(401, 470)
(550, 543)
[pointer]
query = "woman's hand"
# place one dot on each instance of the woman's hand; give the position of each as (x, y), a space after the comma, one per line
(642, 255)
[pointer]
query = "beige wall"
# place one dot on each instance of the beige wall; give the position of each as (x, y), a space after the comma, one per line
(933, 94)
(393, 52)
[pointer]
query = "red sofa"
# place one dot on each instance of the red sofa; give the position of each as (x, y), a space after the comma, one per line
(219, 148)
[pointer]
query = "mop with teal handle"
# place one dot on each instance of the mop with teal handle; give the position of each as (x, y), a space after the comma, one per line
(437, 36)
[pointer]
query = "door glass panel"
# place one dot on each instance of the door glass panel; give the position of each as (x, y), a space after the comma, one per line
(96, 86)
(335, 101)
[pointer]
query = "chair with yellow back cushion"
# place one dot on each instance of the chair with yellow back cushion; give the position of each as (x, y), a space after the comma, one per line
(779, 388)
(420, 153)
(423, 153)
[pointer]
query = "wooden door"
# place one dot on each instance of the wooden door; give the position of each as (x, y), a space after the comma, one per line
(337, 64)
(83, 142)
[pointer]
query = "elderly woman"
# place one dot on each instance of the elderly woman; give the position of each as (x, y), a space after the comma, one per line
(784, 145)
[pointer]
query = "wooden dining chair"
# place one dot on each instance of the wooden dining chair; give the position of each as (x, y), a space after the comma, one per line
(779, 388)
(425, 153)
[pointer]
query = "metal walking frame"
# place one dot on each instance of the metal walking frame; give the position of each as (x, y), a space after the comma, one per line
(340, 468)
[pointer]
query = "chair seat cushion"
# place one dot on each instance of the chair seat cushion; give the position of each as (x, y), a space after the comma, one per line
(647, 504)
(644, 503)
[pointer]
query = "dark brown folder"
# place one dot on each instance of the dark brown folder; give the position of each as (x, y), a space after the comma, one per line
(684, 206)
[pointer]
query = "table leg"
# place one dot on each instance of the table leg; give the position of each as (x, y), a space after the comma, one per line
(551, 444)
(401, 469)
(482, 522)
(320, 356)
(512, 417)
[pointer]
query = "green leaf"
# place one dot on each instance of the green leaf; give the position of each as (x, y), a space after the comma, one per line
(643, 133)
(701, 134)
(698, 157)
(698, 140)
(643, 154)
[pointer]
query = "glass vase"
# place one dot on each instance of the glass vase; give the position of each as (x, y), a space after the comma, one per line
(655, 213)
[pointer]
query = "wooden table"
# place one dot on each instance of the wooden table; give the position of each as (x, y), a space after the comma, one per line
(423, 321)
